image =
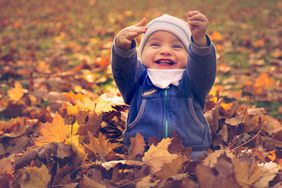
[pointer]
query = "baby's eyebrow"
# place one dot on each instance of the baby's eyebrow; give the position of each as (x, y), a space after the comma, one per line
(155, 38)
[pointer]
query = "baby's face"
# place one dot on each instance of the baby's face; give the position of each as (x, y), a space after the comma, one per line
(163, 50)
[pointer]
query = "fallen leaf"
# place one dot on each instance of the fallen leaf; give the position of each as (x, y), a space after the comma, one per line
(262, 82)
(137, 146)
(56, 131)
(212, 157)
(271, 155)
(100, 146)
(43, 67)
(269, 171)
(111, 164)
(104, 103)
(271, 125)
(17, 92)
(6, 167)
(171, 169)
(249, 172)
(147, 181)
(38, 177)
(216, 36)
(205, 176)
(158, 155)
(87, 182)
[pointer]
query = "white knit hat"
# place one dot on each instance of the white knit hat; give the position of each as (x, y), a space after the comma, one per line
(168, 23)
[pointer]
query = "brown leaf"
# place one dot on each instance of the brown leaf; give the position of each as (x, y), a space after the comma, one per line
(87, 182)
(111, 164)
(221, 175)
(16, 127)
(224, 133)
(172, 168)
(147, 181)
(137, 146)
(38, 177)
(6, 167)
(158, 155)
(234, 121)
(205, 176)
(212, 157)
(249, 172)
(271, 125)
(177, 147)
(100, 146)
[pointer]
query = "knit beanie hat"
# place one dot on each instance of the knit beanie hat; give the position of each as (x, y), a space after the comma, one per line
(174, 25)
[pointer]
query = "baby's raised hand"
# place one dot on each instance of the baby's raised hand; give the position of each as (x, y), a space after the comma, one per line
(125, 36)
(198, 23)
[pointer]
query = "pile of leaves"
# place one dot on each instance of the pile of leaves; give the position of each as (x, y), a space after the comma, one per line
(81, 145)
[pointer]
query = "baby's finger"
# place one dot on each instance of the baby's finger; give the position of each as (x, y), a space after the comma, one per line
(193, 12)
(198, 17)
(196, 23)
(131, 35)
(138, 30)
(142, 22)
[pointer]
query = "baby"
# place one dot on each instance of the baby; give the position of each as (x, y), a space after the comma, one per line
(167, 81)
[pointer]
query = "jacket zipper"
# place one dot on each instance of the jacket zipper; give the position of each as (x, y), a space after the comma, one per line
(166, 113)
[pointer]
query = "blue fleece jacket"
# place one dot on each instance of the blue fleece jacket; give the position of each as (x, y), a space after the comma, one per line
(156, 112)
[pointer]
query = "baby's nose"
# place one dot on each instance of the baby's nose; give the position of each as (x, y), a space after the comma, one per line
(165, 50)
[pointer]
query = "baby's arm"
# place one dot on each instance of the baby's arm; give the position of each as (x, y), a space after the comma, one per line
(125, 66)
(201, 67)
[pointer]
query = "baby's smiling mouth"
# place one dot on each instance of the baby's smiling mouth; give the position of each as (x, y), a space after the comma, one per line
(165, 62)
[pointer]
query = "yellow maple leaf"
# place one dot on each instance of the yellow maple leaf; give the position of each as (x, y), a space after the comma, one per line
(56, 131)
(17, 92)
(38, 177)
(158, 155)
(71, 109)
(75, 140)
(104, 103)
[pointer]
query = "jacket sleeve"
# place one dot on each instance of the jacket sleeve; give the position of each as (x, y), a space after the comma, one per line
(201, 70)
(126, 69)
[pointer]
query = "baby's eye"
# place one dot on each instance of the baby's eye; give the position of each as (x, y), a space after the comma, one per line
(177, 46)
(155, 44)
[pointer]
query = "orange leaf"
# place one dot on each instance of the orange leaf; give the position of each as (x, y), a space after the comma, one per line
(271, 155)
(216, 36)
(262, 82)
(17, 92)
(56, 131)
(71, 97)
(43, 67)
(102, 62)
(259, 43)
